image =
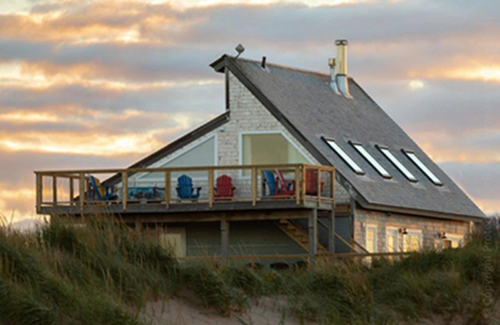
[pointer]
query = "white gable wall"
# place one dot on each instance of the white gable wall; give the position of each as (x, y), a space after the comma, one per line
(248, 115)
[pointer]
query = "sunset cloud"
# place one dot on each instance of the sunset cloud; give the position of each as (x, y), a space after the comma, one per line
(102, 83)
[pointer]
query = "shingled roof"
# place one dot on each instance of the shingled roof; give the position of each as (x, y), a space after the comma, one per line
(305, 104)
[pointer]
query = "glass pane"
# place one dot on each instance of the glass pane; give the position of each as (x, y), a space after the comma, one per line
(371, 241)
(381, 170)
(263, 149)
(423, 168)
(345, 157)
(398, 165)
(392, 241)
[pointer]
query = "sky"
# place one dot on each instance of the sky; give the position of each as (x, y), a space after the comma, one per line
(96, 84)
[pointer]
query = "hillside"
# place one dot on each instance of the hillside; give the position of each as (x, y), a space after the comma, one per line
(105, 274)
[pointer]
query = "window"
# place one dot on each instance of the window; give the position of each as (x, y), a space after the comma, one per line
(451, 241)
(201, 154)
(392, 240)
(381, 170)
(423, 168)
(398, 165)
(412, 241)
(174, 239)
(268, 149)
(344, 156)
(371, 238)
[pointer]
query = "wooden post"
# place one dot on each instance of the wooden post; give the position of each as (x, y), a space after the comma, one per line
(71, 191)
(254, 186)
(319, 186)
(333, 188)
(297, 184)
(82, 191)
(313, 234)
(304, 180)
(224, 235)
(352, 216)
(124, 190)
(54, 190)
(210, 188)
(39, 192)
(331, 232)
(167, 189)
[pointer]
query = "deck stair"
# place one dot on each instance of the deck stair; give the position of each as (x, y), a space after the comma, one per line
(298, 234)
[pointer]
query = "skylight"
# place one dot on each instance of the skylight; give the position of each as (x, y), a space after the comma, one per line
(344, 156)
(423, 168)
(381, 170)
(398, 165)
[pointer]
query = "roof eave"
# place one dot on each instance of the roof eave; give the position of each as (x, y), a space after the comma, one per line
(424, 213)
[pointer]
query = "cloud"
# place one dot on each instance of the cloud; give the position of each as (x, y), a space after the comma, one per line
(102, 83)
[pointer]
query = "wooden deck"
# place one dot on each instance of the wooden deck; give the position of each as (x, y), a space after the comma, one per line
(70, 192)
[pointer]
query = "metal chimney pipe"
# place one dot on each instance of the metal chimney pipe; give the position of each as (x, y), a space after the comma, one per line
(341, 77)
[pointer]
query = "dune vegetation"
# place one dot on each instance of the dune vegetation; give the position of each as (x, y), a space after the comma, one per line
(104, 273)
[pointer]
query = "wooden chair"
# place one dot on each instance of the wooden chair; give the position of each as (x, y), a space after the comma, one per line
(312, 182)
(275, 188)
(185, 189)
(224, 188)
(97, 192)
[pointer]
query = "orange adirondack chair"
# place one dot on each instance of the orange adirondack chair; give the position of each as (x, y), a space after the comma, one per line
(224, 187)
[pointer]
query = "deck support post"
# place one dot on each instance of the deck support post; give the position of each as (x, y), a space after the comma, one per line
(224, 235)
(313, 234)
(331, 232)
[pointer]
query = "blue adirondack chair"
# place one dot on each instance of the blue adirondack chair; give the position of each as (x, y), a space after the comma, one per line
(270, 180)
(185, 189)
(100, 193)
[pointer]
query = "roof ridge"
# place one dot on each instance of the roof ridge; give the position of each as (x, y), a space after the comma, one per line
(282, 66)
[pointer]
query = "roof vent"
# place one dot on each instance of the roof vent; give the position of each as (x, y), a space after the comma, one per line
(341, 78)
(333, 83)
(263, 63)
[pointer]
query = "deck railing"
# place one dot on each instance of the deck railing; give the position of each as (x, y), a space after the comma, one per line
(306, 185)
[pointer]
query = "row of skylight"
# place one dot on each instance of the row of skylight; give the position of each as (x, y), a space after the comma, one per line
(378, 167)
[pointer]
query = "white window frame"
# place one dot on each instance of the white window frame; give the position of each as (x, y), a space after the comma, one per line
(288, 138)
(371, 160)
(395, 161)
(427, 172)
(344, 156)
(413, 232)
(177, 154)
(390, 231)
(375, 244)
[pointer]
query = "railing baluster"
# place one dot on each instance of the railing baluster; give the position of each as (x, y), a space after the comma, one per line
(54, 190)
(333, 187)
(71, 191)
(210, 188)
(319, 185)
(297, 184)
(82, 191)
(254, 186)
(39, 192)
(304, 180)
(167, 189)
(124, 190)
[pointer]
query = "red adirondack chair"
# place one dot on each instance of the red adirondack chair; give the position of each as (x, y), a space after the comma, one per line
(312, 182)
(224, 187)
(284, 186)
